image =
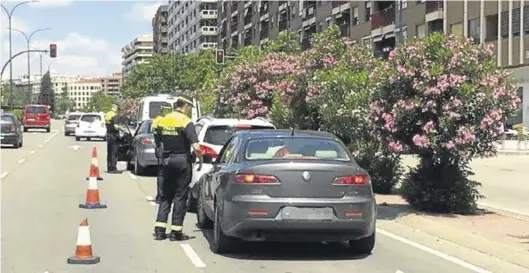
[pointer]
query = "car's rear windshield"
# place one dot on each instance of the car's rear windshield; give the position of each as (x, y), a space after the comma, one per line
(74, 117)
(7, 119)
(91, 118)
(155, 108)
(292, 148)
(37, 110)
(219, 135)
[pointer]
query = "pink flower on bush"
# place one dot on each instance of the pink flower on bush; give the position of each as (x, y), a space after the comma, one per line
(464, 136)
(429, 127)
(421, 141)
(395, 146)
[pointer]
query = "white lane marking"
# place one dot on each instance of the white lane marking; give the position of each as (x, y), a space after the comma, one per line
(75, 147)
(4, 174)
(149, 198)
(133, 176)
(153, 203)
(51, 137)
(32, 151)
(40, 145)
(434, 252)
(398, 271)
(193, 256)
(21, 161)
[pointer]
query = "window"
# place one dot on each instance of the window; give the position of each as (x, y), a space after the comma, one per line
(355, 16)
(198, 128)
(145, 127)
(404, 4)
(155, 108)
(73, 117)
(37, 110)
(7, 119)
(91, 118)
(228, 150)
(421, 31)
(291, 148)
(219, 135)
(473, 29)
(367, 11)
(457, 29)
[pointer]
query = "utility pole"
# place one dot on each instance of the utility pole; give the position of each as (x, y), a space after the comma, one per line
(10, 17)
(28, 40)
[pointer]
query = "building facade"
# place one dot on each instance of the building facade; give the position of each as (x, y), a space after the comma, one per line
(379, 24)
(192, 25)
(81, 91)
(137, 51)
(111, 85)
(159, 30)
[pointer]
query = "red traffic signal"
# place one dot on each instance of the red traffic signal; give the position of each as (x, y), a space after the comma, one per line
(53, 50)
(220, 56)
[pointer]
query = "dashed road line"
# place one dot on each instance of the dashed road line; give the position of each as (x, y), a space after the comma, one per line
(434, 252)
(40, 145)
(51, 137)
(32, 151)
(151, 201)
(193, 256)
(21, 161)
(398, 271)
(4, 174)
(133, 176)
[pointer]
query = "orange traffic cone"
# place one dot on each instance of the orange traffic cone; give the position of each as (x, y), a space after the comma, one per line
(94, 165)
(92, 193)
(83, 250)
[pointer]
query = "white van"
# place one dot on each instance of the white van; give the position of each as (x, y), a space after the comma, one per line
(149, 107)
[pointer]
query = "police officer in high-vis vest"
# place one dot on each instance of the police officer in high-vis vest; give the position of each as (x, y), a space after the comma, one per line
(113, 127)
(175, 134)
(164, 111)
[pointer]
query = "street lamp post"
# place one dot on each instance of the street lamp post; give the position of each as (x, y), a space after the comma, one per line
(28, 40)
(10, 16)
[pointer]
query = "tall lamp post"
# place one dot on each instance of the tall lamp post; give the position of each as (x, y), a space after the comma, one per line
(10, 16)
(28, 40)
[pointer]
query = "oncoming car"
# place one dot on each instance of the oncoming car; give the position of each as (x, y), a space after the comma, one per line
(91, 125)
(280, 185)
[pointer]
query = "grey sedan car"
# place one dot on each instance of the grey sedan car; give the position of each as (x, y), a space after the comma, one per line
(279, 185)
(11, 130)
(142, 149)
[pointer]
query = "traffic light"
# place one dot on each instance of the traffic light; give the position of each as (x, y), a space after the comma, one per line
(220, 56)
(53, 51)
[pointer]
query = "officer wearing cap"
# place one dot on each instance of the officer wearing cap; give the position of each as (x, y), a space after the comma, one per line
(164, 111)
(175, 134)
(113, 127)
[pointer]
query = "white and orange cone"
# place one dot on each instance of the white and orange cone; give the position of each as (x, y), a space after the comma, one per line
(94, 165)
(83, 250)
(92, 193)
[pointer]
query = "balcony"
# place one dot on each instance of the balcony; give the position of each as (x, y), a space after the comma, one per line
(434, 10)
(208, 31)
(248, 16)
(383, 18)
(336, 4)
(234, 26)
(208, 14)
(264, 8)
(208, 45)
(309, 4)
(234, 6)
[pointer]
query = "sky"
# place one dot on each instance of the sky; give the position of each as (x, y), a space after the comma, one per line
(89, 34)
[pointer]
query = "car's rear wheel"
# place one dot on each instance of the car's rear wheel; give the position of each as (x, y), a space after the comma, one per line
(21, 143)
(203, 220)
(364, 245)
(48, 129)
(16, 145)
(66, 134)
(77, 139)
(88, 139)
(25, 129)
(221, 242)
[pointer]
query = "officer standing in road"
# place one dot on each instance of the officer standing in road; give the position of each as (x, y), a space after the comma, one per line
(164, 111)
(113, 127)
(175, 134)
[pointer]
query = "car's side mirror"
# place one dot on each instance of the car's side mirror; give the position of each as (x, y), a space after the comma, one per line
(208, 159)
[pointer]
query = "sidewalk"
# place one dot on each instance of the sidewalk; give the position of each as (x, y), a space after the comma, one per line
(499, 235)
(511, 148)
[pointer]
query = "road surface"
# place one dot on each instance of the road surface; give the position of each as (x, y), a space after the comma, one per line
(44, 181)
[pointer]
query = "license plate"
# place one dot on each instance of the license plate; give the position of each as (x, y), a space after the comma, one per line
(307, 214)
(31, 119)
(89, 132)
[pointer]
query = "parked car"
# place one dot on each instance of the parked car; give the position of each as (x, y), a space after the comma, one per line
(11, 130)
(149, 107)
(91, 125)
(142, 149)
(279, 185)
(36, 116)
(71, 122)
(212, 135)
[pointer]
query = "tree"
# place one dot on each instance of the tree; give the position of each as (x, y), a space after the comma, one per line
(444, 99)
(47, 94)
(64, 103)
(99, 102)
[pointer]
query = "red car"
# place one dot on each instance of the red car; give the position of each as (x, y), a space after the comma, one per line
(36, 117)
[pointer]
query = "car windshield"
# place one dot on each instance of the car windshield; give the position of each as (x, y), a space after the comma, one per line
(291, 148)
(219, 135)
(74, 117)
(37, 109)
(155, 108)
(91, 118)
(7, 119)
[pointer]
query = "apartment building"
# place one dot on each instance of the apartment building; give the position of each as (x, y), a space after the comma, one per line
(137, 51)
(111, 84)
(379, 24)
(192, 25)
(159, 30)
(81, 91)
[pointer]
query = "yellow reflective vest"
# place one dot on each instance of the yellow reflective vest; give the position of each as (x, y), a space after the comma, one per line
(109, 115)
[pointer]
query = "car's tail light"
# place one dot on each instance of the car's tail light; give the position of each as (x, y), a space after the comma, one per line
(208, 151)
(146, 141)
(358, 179)
(249, 178)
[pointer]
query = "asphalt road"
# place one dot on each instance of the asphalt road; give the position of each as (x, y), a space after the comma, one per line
(44, 181)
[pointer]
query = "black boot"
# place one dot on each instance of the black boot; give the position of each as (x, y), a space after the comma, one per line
(159, 234)
(178, 236)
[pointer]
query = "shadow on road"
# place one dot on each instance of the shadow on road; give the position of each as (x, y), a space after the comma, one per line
(288, 251)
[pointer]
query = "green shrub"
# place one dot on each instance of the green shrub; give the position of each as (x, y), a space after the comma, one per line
(19, 113)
